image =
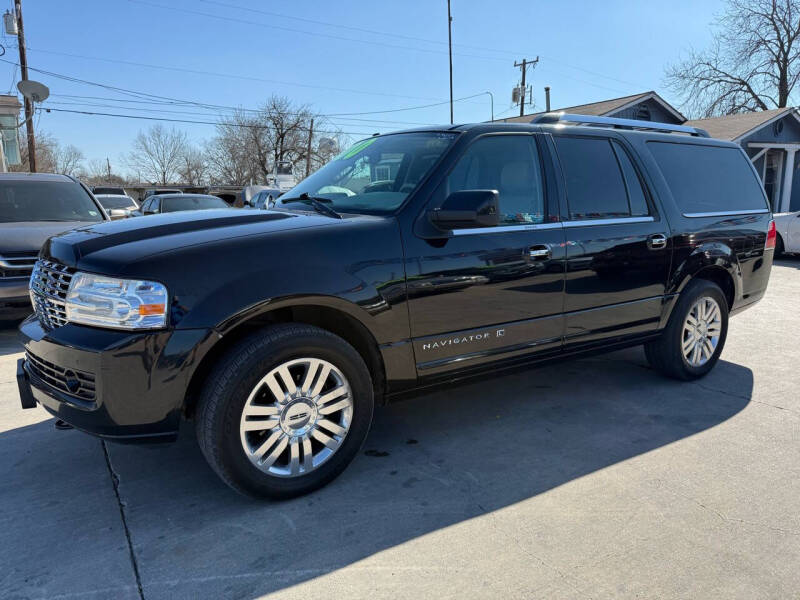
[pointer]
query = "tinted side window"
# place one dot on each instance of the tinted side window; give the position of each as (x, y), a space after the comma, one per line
(155, 205)
(636, 196)
(595, 188)
(708, 178)
(508, 164)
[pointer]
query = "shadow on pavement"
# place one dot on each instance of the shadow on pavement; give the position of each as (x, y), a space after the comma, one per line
(429, 463)
(788, 260)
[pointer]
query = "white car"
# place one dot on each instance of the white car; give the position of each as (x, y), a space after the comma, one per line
(788, 227)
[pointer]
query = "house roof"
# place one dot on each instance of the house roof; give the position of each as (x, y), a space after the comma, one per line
(602, 108)
(733, 127)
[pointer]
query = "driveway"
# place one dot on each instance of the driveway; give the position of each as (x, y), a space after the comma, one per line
(595, 478)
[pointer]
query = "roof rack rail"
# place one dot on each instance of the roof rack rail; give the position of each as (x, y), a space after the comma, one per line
(560, 117)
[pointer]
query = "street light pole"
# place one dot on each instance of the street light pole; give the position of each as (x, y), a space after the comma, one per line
(23, 69)
(491, 96)
(450, 52)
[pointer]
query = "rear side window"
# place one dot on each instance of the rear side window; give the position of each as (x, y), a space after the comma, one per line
(708, 178)
(596, 186)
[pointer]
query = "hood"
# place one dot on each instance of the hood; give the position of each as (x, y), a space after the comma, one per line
(129, 240)
(28, 236)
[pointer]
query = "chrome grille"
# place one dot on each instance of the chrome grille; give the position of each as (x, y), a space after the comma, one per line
(16, 265)
(49, 285)
(80, 384)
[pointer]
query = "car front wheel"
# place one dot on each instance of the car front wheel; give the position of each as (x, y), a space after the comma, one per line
(692, 342)
(285, 411)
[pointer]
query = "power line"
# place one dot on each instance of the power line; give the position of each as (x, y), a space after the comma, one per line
(305, 32)
(224, 75)
(334, 120)
(413, 38)
(143, 95)
(145, 118)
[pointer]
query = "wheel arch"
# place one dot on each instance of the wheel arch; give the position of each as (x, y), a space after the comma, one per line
(330, 314)
(713, 262)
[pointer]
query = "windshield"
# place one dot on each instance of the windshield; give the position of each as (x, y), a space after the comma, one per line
(176, 203)
(376, 175)
(109, 202)
(108, 190)
(46, 201)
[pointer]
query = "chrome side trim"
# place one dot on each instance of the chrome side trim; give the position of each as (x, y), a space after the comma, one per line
(507, 228)
(619, 221)
(727, 213)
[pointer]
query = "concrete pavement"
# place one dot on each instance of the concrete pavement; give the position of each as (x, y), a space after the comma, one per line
(595, 478)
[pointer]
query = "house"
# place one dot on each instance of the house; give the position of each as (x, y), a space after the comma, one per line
(771, 138)
(647, 106)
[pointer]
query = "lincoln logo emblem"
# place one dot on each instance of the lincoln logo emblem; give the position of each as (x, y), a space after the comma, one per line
(299, 416)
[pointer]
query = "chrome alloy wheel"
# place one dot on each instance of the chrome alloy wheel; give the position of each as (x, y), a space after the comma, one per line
(701, 331)
(296, 417)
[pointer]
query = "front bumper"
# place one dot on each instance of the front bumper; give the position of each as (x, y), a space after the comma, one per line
(120, 385)
(15, 303)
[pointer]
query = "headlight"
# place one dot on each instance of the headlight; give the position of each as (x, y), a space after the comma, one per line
(116, 303)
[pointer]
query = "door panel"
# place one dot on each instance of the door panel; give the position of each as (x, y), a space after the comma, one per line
(793, 243)
(618, 249)
(480, 295)
(615, 280)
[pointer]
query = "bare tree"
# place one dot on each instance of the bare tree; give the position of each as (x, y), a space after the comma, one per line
(46, 148)
(193, 168)
(68, 159)
(249, 144)
(753, 63)
(157, 153)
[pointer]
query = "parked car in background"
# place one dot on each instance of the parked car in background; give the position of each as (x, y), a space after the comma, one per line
(34, 207)
(551, 239)
(788, 226)
(265, 199)
(117, 206)
(166, 203)
(107, 189)
(160, 191)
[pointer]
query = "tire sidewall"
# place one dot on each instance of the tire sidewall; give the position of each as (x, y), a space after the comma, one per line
(700, 289)
(326, 347)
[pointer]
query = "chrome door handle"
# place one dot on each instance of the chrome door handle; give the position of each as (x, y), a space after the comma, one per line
(657, 242)
(541, 252)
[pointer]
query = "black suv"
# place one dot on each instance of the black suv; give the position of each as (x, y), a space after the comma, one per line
(411, 260)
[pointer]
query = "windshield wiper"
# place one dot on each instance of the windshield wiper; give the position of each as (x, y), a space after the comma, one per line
(316, 203)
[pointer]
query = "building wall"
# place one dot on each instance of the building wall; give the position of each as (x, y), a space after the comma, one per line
(789, 134)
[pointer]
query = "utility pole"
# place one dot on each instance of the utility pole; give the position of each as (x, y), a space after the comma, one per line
(108, 170)
(23, 69)
(308, 148)
(524, 90)
(450, 52)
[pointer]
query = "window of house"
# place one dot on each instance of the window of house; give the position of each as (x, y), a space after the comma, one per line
(506, 163)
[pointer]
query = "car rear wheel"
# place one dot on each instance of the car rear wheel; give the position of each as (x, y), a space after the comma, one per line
(692, 342)
(285, 411)
(779, 247)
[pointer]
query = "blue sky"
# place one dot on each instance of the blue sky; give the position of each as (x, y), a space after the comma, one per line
(339, 57)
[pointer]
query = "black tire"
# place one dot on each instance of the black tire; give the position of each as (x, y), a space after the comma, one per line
(229, 384)
(779, 247)
(665, 354)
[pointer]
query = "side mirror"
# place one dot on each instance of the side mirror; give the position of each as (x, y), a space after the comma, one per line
(467, 209)
(119, 213)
